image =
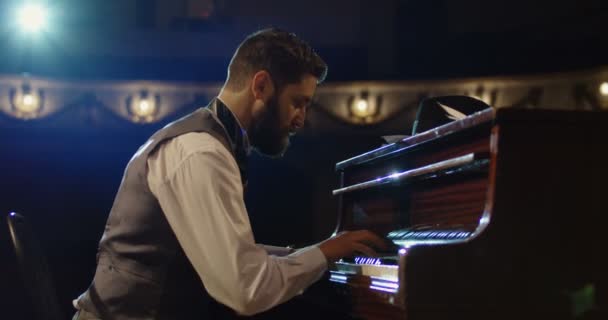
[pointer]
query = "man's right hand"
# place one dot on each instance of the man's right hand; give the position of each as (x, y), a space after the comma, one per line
(349, 243)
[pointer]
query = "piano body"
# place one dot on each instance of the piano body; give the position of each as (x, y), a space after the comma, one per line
(494, 216)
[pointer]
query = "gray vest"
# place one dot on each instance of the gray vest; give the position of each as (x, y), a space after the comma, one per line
(142, 272)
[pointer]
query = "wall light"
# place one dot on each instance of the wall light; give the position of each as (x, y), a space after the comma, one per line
(362, 109)
(26, 103)
(483, 94)
(604, 88)
(478, 97)
(144, 107)
(29, 103)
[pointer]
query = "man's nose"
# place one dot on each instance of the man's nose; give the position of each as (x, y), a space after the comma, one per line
(300, 118)
(304, 111)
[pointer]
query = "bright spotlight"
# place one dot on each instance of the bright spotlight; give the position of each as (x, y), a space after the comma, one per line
(32, 17)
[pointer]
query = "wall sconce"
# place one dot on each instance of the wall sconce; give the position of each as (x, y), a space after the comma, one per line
(586, 97)
(143, 108)
(26, 103)
(362, 109)
(603, 98)
(604, 89)
(488, 97)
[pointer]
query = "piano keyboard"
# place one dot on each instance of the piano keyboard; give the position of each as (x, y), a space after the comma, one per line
(409, 237)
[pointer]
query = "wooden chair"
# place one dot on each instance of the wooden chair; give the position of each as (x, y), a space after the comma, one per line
(34, 269)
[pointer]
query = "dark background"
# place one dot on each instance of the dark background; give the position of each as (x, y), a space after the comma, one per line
(62, 172)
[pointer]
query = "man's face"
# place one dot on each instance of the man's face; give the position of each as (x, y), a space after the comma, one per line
(284, 114)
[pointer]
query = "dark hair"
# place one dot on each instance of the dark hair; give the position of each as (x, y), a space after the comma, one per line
(286, 57)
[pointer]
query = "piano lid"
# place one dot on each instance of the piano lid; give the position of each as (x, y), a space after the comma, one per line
(470, 121)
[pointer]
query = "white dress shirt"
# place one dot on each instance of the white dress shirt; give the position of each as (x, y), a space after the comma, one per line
(198, 185)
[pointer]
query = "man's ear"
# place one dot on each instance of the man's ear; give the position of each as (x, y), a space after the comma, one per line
(261, 85)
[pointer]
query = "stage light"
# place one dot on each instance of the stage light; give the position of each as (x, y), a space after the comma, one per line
(604, 88)
(32, 17)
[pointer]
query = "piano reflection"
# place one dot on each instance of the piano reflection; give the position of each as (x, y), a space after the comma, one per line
(496, 215)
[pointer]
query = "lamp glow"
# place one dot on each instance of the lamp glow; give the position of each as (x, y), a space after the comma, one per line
(29, 103)
(361, 108)
(28, 100)
(144, 108)
(604, 88)
(32, 17)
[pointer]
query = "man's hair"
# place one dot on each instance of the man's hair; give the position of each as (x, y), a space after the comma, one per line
(286, 57)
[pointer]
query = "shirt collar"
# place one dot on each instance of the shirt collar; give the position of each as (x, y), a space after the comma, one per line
(245, 142)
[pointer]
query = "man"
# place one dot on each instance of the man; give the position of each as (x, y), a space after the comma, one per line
(178, 230)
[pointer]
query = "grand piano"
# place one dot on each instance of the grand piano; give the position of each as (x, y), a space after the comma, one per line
(498, 215)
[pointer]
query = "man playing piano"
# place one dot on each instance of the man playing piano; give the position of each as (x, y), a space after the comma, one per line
(178, 231)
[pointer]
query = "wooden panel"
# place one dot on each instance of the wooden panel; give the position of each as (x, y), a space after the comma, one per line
(381, 210)
(434, 151)
(461, 202)
(366, 303)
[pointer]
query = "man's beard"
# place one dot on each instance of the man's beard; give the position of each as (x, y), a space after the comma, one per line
(266, 134)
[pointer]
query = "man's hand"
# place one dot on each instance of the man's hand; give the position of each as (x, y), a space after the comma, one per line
(348, 243)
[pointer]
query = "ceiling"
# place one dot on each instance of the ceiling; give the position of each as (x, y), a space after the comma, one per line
(192, 40)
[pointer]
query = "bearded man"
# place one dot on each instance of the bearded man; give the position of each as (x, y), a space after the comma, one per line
(178, 232)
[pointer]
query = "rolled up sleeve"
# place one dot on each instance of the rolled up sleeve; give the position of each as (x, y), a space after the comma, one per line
(201, 194)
